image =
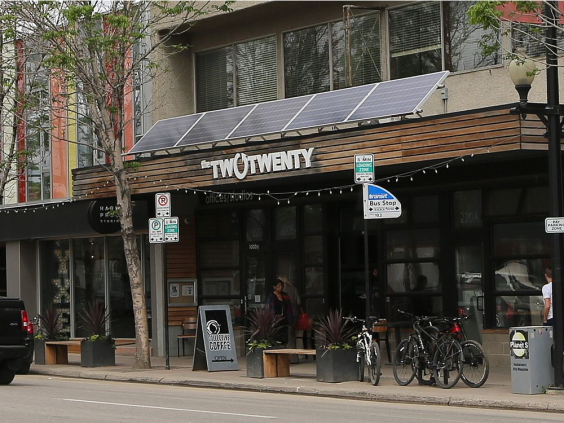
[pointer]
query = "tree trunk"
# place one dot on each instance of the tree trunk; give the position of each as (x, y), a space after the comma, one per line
(123, 195)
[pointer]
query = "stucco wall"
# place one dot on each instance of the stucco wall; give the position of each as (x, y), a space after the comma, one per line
(174, 90)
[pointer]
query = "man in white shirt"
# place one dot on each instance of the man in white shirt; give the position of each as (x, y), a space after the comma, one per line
(547, 297)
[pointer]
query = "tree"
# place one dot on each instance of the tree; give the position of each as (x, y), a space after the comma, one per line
(524, 22)
(89, 48)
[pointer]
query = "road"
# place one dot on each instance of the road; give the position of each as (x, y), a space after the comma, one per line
(36, 398)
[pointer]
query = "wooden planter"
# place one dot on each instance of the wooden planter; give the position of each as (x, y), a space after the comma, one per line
(255, 363)
(39, 348)
(97, 353)
(336, 365)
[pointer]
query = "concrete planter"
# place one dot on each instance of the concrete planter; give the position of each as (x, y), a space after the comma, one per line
(255, 363)
(336, 365)
(39, 347)
(97, 353)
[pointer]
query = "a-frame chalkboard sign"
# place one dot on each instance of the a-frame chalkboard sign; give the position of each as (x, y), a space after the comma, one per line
(214, 349)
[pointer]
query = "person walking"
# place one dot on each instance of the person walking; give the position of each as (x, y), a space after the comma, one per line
(279, 302)
(547, 297)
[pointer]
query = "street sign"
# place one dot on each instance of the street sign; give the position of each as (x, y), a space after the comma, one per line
(162, 204)
(554, 225)
(156, 231)
(363, 168)
(380, 203)
(171, 229)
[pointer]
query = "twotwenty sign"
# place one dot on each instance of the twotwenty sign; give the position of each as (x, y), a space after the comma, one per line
(242, 164)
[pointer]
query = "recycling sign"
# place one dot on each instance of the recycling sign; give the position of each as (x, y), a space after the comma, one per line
(380, 203)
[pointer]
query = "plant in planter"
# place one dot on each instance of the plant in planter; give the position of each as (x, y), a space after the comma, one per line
(98, 348)
(336, 357)
(263, 329)
(50, 329)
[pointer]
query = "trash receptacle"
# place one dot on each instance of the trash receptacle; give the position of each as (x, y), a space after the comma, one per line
(531, 364)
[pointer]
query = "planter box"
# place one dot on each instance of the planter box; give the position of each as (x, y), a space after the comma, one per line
(336, 365)
(97, 353)
(39, 348)
(255, 363)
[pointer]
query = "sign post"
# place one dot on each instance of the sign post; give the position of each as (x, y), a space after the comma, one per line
(164, 229)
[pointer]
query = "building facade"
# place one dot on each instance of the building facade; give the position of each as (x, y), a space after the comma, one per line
(470, 176)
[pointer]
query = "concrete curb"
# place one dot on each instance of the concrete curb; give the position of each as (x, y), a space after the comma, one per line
(454, 401)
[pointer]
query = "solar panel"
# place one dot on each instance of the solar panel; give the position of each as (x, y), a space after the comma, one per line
(215, 126)
(271, 117)
(398, 97)
(165, 134)
(330, 108)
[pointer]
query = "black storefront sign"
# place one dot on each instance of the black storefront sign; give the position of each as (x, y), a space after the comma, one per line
(215, 344)
(103, 215)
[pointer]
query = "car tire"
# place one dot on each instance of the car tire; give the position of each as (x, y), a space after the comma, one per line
(6, 375)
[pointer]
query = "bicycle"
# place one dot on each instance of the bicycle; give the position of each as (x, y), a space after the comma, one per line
(367, 351)
(475, 366)
(413, 356)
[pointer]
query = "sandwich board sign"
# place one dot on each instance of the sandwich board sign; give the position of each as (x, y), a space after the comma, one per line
(380, 203)
(214, 349)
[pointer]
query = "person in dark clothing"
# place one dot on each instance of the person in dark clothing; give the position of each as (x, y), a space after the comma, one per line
(279, 302)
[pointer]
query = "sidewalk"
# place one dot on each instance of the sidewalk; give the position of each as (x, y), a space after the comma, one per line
(496, 393)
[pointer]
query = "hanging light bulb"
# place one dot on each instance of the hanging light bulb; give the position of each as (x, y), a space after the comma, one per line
(397, 179)
(341, 191)
(288, 201)
(462, 159)
(278, 202)
(318, 193)
(447, 166)
(259, 197)
(351, 189)
(436, 171)
(423, 171)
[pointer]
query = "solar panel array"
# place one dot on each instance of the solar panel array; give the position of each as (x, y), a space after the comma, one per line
(400, 97)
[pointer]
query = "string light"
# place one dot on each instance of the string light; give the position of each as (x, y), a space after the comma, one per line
(276, 196)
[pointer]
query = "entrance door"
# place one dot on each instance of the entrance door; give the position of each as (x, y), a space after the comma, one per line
(468, 262)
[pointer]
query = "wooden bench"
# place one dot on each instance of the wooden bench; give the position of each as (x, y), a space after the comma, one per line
(277, 362)
(57, 352)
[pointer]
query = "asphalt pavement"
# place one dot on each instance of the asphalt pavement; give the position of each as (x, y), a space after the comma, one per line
(495, 393)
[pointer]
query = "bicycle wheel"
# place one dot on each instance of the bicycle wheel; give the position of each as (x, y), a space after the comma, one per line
(424, 373)
(447, 363)
(475, 366)
(404, 362)
(361, 366)
(375, 363)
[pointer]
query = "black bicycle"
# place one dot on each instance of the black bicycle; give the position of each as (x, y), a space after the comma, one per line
(428, 355)
(475, 366)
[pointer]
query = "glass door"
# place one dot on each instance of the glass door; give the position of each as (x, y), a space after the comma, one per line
(468, 262)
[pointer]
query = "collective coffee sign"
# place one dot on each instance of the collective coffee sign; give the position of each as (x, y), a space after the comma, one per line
(215, 344)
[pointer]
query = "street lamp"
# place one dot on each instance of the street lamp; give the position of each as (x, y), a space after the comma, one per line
(522, 72)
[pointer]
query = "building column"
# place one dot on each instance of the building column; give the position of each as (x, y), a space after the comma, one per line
(21, 274)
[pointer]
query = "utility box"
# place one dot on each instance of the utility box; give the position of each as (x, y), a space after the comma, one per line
(531, 364)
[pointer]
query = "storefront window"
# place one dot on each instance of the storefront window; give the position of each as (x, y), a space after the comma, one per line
(218, 224)
(219, 254)
(313, 249)
(512, 239)
(418, 243)
(467, 209)
(55, 277)
(313, 218)
(89, 277)
(426, 209)
(255, 227)
(285, 223)
(220, 283)
(121, 303)
(314, 281)
(413, 277)
(518, 310)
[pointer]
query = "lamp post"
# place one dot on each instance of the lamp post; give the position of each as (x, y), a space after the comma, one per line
(521, 72)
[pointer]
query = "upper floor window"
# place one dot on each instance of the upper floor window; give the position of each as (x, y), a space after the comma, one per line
(316, 59)
(239, 74)
(417, 45)
(87, 153)
(415, 40)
